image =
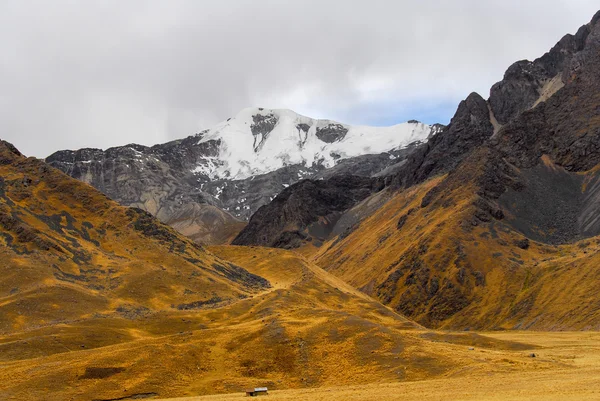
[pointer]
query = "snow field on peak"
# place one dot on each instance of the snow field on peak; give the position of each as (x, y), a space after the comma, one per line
(243, 154)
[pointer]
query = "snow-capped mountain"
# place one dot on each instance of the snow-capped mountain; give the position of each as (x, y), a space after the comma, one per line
(258, 141)
(238, 165)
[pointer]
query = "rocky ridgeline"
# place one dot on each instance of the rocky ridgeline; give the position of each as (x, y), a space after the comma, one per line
(548, 106)
(166, 180)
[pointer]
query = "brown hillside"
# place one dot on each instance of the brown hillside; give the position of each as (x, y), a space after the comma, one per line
(436, 254)
(69, 253)
(102, 302)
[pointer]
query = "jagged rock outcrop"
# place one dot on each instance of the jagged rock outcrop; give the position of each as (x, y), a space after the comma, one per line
(468, 129)
(540, 165)
(525, 81)
(284, 222)
(560, 122)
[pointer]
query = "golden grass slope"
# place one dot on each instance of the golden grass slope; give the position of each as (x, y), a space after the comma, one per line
(68, 253)
(308, 330)
(100, 302)
(443, 267)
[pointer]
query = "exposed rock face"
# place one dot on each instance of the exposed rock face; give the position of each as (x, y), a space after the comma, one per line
(241, 198)
(378, 165)
(156, 179)
(284, 221)
(175, 181)
(518, 91)
(468, 129)
(332, 133)
(537, 162)
(524, 80)
(563, 124)
(261, 128)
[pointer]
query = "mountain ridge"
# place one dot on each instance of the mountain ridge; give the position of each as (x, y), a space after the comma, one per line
(267, 150)
(492, 224)
(463, 234)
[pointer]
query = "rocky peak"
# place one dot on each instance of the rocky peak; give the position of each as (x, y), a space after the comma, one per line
(469, 128)
(595, 18)
(525, 82)
(518, 91)
(10, 147)
(540, 166)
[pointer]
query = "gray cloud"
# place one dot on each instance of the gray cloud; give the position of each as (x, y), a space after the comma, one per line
(104, 73)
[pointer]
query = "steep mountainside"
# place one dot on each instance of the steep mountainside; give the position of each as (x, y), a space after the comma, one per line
(68, 253)
(236, 166)
(496, 216)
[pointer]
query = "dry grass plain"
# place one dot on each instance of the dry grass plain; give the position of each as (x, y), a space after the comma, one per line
(310, 336)
(566, 367)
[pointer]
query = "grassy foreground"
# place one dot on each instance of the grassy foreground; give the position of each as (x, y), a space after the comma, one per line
(567, 367)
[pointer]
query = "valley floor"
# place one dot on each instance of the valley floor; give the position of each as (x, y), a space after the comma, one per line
(309, 336)
(567, 367)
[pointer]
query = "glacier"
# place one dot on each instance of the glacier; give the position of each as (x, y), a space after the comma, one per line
(258, 141)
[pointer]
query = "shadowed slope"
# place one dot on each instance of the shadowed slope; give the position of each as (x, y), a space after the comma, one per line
(284, 221)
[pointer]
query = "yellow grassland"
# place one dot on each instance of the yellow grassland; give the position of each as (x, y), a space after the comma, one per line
(309, 330)
(566, 368)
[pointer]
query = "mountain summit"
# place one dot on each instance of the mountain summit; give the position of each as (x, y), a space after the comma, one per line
(258, 141)
(207, 184)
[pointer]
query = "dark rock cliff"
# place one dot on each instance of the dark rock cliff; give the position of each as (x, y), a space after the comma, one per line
(282, 223)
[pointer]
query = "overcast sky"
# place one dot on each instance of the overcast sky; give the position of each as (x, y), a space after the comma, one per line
(110, 72)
